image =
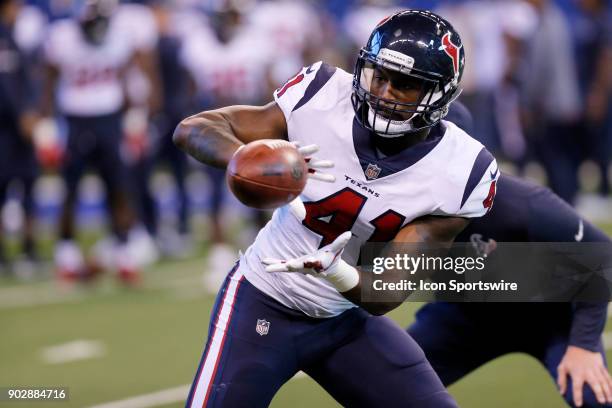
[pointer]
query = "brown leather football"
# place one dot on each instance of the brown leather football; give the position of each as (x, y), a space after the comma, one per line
(267, 173)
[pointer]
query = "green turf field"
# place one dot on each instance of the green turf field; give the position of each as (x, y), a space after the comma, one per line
(141, 342)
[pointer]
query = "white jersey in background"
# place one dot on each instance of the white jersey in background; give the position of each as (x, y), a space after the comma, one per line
(89, 76)
(30, 28)
(229, 73)
(138, 22)
(140, 27)
(449, 174)
(289, 26)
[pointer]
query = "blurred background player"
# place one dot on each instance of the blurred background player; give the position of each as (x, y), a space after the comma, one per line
(593, 54)
(229, 59)
(292, 42)
(88, 58)
(551, 99)
(17, 117)
(176, 98)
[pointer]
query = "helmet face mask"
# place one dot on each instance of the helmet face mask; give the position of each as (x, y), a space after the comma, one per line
(409, 50)
(95, 30)
(94, 18)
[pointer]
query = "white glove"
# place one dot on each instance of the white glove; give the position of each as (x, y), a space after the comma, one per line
(325, 263)
(314, 164)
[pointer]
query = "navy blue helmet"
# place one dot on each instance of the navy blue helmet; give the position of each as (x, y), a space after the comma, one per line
(427, 51)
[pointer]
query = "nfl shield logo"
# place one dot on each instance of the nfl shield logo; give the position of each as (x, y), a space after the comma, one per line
(372, 171)
(263, 327)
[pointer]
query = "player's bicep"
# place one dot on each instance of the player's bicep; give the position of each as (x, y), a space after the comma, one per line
(239, 122)
(250, 123)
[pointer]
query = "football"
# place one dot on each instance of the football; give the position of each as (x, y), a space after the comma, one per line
(267, 174)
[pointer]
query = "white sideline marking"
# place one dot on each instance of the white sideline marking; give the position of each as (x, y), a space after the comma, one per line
(154, 399)
(27, 297)
(73, 351)
(163, 397)
(50, 294)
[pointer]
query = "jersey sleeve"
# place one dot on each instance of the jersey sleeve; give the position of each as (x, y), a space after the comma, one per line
(187, 54)
(139, 23)
(52, 48)
(300, 89)
(469, 181)
(480, 188)
(588, 324)
(479, 192)
(146, 37)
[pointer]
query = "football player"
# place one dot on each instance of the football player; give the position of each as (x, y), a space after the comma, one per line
(565, 337)
(87, 60)
(401, 174)
(17, 113)
(176, 100)
(228, 61)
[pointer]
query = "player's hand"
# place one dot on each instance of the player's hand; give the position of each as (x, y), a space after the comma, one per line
(319, 264)
(315, 165)
(584, 366)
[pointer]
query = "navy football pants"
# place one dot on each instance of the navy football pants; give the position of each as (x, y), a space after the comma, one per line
(458, 338)
(360, 359)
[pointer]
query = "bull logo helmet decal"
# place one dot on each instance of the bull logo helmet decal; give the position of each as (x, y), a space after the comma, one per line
(452, 51)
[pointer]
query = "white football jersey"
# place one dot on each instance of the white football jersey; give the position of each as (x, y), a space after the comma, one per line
(89, 76)
(138, 22)
(449, 174)
(30, 28)
(235, 72)
(290, 26)
(140, 28)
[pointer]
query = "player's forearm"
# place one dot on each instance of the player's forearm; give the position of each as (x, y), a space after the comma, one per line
(377, 308)
(148, 62)
(207, 137)
(377, 302)
(431, 236)
(47, 100)
(588, 322)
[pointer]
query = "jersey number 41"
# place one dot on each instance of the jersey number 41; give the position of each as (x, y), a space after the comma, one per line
(337, 213)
